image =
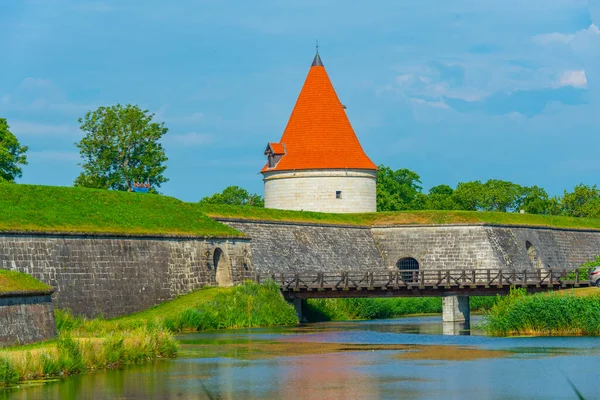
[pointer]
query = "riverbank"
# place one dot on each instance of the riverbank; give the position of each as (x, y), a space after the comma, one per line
(89, 345)
(563, 313)
(319, 310)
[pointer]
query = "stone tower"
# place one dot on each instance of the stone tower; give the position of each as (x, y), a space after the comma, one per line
(319, 164)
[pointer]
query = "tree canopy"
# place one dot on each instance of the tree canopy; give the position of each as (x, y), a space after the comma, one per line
(397, 190)
(401, 190)
(12, 154)
(234, 195)
(121, 146)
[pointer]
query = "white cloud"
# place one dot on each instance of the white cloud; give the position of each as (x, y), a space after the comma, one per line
(575, 78)
(436, 104)
(583, 35)
(554, 37)
(24, 128)
(188, 139)
(50, 155)
(36, 83)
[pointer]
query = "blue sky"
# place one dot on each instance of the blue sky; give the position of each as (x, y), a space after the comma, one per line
(455, 91)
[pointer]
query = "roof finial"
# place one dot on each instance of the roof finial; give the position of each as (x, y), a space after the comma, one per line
(317, 60)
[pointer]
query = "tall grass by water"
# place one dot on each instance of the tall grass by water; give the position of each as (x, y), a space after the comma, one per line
(76, 351)
(93, 344)
(363, 308)
(544, 314)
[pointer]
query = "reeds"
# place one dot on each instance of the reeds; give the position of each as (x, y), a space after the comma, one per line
(554, 314)
(76, 350)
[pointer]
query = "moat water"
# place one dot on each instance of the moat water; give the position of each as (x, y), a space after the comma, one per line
(405, 358)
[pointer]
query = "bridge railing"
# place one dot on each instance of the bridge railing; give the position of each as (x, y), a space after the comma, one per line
(475, 278)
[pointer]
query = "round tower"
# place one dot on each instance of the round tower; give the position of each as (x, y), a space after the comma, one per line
(319, 164)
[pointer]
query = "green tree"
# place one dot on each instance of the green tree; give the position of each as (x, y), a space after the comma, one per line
(12, 154)
(398, 190)
(121, 146)
(468, 195)
(584, 201)
(440, 198)
(235, 195)
(535, 200)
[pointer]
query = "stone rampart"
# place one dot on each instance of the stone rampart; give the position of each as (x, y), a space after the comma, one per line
(118, 275)
(305, 247)
(26, 318)
(486, 246)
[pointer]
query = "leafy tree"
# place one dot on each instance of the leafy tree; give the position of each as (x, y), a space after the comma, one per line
(440, 198)
(235, 195)
(397, 190)
(584, 201)
(535, 200)
(121, 146)
(12, 154)
(467, 195)
(498, 195)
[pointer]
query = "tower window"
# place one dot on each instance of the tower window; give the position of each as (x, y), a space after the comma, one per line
(338, 194)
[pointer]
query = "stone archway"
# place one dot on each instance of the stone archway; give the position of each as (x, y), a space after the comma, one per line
(410, 269)
(222, 268)
(534, 257)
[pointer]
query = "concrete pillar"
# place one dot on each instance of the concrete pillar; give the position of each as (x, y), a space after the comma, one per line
(298, 307)
(455, 309)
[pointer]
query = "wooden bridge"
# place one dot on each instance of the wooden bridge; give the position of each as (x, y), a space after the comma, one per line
(424, 283)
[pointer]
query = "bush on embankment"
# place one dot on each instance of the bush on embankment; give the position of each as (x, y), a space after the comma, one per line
(245, 306)
(544, 314)
(361, 308)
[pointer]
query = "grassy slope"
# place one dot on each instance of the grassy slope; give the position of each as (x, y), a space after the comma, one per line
(398, 218)
(67, 209)
(11, 281)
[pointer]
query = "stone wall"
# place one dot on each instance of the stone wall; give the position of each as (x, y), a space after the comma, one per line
(315, 190)
(112, 276)
(285, 247)
(486, 246)
(26, 318)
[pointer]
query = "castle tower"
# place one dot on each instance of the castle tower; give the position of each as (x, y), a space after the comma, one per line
(319, 164)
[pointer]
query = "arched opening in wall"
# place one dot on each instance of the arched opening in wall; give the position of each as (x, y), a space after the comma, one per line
(409, 269)
(534, 257)
(222, 268)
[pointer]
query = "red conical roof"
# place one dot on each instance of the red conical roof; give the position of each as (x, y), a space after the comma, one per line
(318, 134)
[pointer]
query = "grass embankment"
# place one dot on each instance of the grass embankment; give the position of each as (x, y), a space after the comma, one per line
(12, 281)
(564, 313)
(89, 345)
(398, 217)
(348, 309)
(68, 209)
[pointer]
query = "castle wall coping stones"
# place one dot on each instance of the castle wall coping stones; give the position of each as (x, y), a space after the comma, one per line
(133, 236)
(294, 223)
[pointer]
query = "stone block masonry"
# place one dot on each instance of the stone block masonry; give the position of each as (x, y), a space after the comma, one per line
(305, 247)
(112, 276)
(26, 318)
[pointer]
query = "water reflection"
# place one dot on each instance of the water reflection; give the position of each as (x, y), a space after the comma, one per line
(405, 358)
(456, 328)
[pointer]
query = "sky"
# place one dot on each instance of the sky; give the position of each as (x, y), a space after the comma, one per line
(455, 91)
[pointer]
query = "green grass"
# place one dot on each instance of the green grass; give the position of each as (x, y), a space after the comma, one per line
(67, 209)
(567, 313)
(12, 281)
(349, 309)
(397, 218)
(87, 345)
(243, 306)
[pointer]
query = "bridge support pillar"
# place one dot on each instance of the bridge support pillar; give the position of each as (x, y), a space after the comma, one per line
(298, 307)
(456, 309)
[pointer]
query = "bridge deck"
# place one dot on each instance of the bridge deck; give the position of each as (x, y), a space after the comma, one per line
(424, 283)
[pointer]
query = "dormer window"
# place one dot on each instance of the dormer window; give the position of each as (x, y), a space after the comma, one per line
(274, 152)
